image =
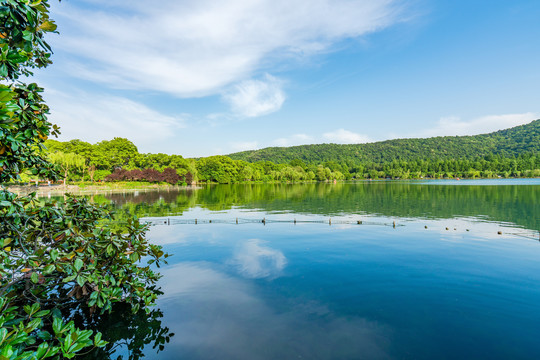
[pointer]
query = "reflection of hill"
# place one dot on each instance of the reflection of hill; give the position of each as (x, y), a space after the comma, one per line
(508, 203)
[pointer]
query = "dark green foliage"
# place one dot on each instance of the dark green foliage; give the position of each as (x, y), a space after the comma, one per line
(57, 259)
(506, 143)
(507, 153)
(55, 256)
(127, 330)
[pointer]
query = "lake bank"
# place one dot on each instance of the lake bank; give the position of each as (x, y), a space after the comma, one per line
(96, 188)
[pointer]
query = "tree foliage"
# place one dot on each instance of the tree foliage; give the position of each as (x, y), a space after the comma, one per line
(67, 162)
(505, 143)
(57, 259)
(168, 175)
(507, 153)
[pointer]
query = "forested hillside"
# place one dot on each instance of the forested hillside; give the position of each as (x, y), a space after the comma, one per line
(506, 143)
(508, 153)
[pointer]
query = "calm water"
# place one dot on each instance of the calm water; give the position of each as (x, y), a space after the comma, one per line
(312, 290)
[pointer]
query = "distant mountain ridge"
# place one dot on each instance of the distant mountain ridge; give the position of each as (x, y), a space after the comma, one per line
(507, 143)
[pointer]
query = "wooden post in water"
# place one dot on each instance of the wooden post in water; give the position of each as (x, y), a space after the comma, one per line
(264, 221)
(195, 221)
(394, 225)
(330, 222)
(236, 221)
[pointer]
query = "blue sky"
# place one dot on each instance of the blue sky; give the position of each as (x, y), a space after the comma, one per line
(205, 77)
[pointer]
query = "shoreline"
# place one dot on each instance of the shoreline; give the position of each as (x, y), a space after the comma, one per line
(48, 190)
(125, 187)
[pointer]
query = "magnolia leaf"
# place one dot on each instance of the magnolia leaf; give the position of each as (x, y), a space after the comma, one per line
(48, 26)
(78, 264)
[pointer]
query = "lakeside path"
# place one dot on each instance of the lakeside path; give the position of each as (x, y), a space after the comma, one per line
(55, 190)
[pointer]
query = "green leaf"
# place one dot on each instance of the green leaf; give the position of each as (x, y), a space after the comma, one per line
(48, 269)
(78, 264)
(48, 26)
(42, 313)
(34, 277)
(42, 350)
(57, 325)
(6, 96)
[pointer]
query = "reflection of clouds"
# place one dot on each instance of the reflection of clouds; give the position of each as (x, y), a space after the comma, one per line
(254, 260)
(166, 235)
(216, 316)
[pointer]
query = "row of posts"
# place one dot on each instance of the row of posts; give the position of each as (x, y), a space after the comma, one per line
(359, 222)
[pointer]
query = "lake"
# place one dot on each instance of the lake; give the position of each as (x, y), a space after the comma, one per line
(367, 270)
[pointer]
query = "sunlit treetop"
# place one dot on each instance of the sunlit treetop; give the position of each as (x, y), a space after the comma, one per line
(23, 114)
(23, 25)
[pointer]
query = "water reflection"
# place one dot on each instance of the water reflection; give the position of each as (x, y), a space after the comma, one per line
(130, 335)
(459, 280)
(516, 204)
(219, 316)
(254, 260)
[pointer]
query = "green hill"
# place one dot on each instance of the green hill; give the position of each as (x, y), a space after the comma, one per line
(507, 143)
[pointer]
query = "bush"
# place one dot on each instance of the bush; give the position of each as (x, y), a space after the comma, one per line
(57, 255)
(57, 260)
(168, 175)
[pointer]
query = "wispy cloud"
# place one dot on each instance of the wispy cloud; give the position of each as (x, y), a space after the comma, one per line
(342, 136)
(297, 139)
(254, 98)
(254, 260)
(198, 48)
(454, 125)
(93, 118)
(244, 145)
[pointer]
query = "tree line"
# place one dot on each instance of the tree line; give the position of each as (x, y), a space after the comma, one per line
(506, 143)
(119, 160)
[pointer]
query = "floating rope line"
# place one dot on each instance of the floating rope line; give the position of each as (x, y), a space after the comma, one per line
(240, 221)
(264, 221)
(526, 235)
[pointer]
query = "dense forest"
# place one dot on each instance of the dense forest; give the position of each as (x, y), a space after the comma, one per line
(513, 152)
(504, 143)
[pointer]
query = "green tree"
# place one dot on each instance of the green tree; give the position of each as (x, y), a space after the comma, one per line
(217, 168)
(115, 153)
(56, 259)
(67, 162)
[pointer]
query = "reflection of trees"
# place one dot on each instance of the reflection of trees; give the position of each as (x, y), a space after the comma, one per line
(517, 204)
(147, 197)
(127, 333)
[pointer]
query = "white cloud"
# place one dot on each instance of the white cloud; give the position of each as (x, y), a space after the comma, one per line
(198, 48)
(93, 118)
(217, 313)
(254, 98)
(342, 136)
(244, 145)
(453, 125)
(254, 260)
(298, 139)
